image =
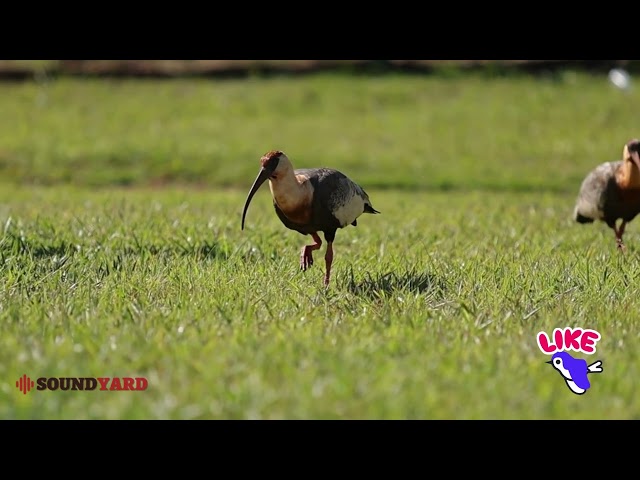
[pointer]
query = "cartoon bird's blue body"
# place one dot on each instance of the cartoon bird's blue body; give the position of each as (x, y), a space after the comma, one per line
(575, 371)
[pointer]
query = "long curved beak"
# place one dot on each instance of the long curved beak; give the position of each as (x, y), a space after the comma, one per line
(636, 159)
(263, 175)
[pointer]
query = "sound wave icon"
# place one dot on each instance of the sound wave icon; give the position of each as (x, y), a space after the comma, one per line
(24, 384)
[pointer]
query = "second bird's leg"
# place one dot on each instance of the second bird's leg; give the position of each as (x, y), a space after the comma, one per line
(328, 258)
(619, 233)
(306, 256)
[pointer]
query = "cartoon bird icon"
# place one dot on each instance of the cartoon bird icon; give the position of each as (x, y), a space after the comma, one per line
(574, 371)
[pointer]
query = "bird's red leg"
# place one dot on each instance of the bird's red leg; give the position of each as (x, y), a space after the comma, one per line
(619, 233)
(328, 258)
(306, 256)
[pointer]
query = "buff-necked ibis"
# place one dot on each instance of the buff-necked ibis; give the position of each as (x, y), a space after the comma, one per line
(611, 192)
(311, 200)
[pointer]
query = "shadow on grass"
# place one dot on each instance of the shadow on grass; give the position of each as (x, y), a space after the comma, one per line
(205, 250)
(375, 286)
(12, 244)
(15, 245)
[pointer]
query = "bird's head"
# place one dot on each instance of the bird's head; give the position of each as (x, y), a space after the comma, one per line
(631, 152)
(562, 362)
(557, 360)
(272, 165)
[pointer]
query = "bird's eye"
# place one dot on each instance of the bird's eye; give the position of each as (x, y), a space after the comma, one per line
(557, 362)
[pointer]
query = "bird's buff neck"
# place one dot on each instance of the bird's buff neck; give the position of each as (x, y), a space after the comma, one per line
(630, 177)
(289, 191)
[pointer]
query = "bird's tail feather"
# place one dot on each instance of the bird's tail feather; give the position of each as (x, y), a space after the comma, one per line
(369, 209)
(595, 367)
(582, 219)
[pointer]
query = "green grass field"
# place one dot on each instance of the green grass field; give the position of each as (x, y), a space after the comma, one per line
(122, 255)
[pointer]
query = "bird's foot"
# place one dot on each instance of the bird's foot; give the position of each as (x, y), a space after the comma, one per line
(306, 258)
(621, 246)
(326, 281)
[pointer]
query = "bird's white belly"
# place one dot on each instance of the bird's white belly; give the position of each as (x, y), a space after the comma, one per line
(575, 388)
(351, 210)
(564, 372)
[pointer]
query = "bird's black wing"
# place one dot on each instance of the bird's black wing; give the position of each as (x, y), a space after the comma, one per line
(332, 187)
(331, 190)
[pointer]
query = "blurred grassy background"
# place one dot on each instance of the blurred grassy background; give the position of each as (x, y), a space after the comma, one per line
(27, 68)
(447, 131)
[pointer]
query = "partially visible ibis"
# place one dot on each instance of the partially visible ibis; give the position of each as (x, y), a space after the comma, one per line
(611, 192)
(311, 200)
